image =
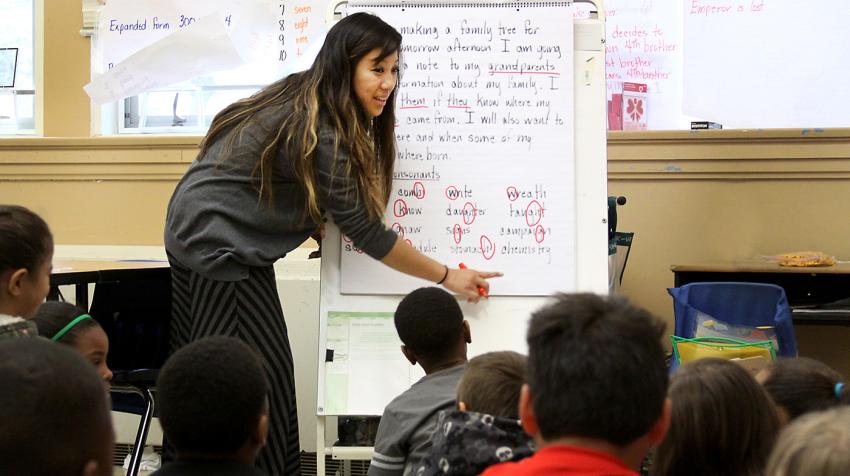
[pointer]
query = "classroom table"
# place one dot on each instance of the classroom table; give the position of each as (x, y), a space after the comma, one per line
(804, 286)
(81, 273)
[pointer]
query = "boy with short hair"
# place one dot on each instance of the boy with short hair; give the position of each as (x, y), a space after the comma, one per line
(54, 412)
(485, 429)
(434, 334)
(213, 406)
(491, 384)
(595, 401)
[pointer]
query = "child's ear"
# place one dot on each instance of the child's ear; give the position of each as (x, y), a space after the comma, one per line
(261, 432)
(461, 406)
(526, 412)
(91, 468)
(408, 354)
(16, 282)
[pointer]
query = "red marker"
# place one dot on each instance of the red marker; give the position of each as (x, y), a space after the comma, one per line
(481, 291)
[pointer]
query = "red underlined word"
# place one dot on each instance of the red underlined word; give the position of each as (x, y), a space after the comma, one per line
(525, 72)
(413, 107)
(458, 107)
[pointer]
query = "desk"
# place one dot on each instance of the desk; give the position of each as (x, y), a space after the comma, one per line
(81, 273)
(808, 286)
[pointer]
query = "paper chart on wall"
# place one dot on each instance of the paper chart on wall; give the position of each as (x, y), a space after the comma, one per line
(364, 367)
(485, 161)
(271, 38)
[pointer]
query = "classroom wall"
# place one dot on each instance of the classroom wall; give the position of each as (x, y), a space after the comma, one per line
(711, 195)
(66, 70)
(691, 197)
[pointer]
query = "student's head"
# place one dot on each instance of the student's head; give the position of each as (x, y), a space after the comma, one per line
(54, 412)
(68, 324)
(802, 385)
(596, 370)
(26, 257)
(212, 400)
(491, 384)
(348, 92)
(723, 422)
(816, 444)
(430, 324)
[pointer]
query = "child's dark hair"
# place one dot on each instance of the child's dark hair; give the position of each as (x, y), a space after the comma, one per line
(53, 410)
(53, 316)
(804, 385)
(596, 368)
(723, 422)
(430, 323)
(211, 394)
(25, 239)
(491, 383)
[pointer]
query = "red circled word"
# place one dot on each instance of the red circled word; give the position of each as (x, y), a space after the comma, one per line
(539, 234)
(400, 208)
(488, 249)
(539, 210)
(472, 213)
(452, 192)
(419, 190)
(457, 233)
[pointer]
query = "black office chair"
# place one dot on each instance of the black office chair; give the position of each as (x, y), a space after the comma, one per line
(136, 316)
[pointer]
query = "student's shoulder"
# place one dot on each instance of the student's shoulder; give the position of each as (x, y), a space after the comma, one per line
(13, 327)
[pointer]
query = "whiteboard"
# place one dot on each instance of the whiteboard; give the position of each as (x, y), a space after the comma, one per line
(500, 322)
(764, 63)
(484, 173)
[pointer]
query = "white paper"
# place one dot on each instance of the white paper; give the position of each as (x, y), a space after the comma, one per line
(485, 170)
(200, 48)
(127, 26)
(273, 38)
(368, 369)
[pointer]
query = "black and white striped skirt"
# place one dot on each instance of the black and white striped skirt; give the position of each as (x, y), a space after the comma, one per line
(249, 310)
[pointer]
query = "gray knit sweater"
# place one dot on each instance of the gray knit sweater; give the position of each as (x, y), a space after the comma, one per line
(218, 226)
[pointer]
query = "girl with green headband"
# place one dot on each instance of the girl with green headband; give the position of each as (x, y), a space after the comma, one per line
(68, 324)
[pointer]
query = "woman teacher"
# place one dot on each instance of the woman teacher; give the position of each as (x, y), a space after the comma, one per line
(316, 142)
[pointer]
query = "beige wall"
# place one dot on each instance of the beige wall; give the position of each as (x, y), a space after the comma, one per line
(66, 70)
(711, 195)
(692, 197)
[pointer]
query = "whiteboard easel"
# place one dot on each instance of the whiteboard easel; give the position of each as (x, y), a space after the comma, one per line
(499, 323)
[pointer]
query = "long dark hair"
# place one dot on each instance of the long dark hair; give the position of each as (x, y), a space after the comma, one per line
(723, 422)
(325, 93)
